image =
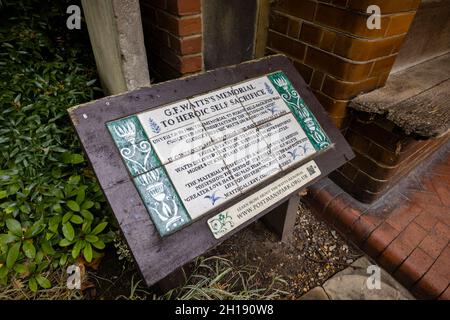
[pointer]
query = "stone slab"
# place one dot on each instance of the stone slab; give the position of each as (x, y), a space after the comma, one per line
(351, 284)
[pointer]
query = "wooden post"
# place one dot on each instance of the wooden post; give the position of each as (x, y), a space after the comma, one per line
(262, 25)
(174, 280)
(115, 31)
(281, 220)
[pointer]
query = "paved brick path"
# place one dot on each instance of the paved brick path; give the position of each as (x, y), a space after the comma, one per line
(407, 232)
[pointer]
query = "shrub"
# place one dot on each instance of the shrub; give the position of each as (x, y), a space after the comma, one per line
(52, 210)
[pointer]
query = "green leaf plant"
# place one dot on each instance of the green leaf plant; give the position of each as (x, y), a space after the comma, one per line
(52, 210)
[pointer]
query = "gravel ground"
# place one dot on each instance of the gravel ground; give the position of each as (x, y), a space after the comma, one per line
(315, 253)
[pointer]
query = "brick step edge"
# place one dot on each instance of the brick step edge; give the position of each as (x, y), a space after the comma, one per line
(353, 221)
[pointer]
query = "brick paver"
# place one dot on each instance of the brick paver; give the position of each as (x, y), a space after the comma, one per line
(414, 267)
(407, 231)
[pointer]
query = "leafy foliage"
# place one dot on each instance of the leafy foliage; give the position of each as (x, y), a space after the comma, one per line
(51, 208)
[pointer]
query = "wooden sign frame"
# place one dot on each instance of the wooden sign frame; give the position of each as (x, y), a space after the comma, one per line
(157, 256)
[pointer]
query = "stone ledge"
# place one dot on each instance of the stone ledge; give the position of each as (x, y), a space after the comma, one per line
(351, 284)
(415, 99)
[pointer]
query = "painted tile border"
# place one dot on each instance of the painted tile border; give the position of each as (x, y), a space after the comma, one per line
(133, 144)
(162, 201)
(298, 107)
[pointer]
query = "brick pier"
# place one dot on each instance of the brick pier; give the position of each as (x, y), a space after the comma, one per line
(333, 49)
(173, 34)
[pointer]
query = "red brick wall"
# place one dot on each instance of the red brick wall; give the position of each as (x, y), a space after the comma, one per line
(173, 37)
(333, 49)
(383, 155)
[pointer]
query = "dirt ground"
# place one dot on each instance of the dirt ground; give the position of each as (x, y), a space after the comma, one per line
(315, 253)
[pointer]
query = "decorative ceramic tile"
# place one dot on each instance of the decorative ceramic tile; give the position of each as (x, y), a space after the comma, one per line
(248, 158)
(174, 130)
(302, 113)
(221, 113)
(180, 142)
(162, 201)
(133, 145)
(167, 118)
(266, 110)
(261, 100)
(202, 180)
(244, 210)
(254, 90)
(215, 102)
(287, 140)
(227, 124)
